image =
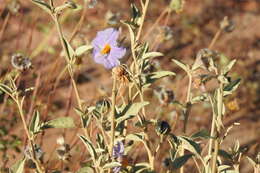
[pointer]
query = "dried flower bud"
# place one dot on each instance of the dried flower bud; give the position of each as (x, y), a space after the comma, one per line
(165, 96)
(112, 18)
(121, 74)
(63, 152)
(227, 25)
(167, 33)
(202, 58)
(21, 62)
(103, 106)
(162, 128)
(38, 152)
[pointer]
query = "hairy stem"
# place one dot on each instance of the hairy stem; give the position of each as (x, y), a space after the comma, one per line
(70, 69)
(114, 92)
(219, 115)
(188, 99)
(30, 138)
(145, 7)
(212, 131)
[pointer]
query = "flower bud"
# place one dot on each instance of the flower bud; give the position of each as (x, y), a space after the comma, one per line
(162, 128)
(227, 25)
(21, 62)
(102, 106)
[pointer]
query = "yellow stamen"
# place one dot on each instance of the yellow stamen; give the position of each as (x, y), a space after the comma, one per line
(106, 49)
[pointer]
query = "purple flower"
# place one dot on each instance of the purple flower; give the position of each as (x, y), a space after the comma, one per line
(105, 48)
(118, 150)
(118, 153)
(116, 169)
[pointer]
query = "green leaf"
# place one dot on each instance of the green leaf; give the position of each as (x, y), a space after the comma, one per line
(150, 55)
(228, 67)
(201, 134)
(69, 49)
(180, 161)
(86, 169)
(136, 14)
(223, 168)
(6, 89)
(181, 65)
(233, 85)
(89, 146)
(111, 165)
(225, 154)
(35, 123)
(18, 167)
(82, 49)
(138, 137)
(142, 168)
(191, 145)
(130, 111)
(177, 5)
(62, 122)
(46, 7)
(157, 75)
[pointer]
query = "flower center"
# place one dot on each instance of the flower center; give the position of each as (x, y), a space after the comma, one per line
(106, 49)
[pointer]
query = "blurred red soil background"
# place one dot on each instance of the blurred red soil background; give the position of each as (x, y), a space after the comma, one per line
(31, 31)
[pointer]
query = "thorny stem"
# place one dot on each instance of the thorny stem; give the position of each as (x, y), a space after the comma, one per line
(113, 116)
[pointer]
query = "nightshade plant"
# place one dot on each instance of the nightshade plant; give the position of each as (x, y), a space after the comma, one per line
(109, 148)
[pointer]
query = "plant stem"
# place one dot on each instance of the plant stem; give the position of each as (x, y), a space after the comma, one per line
(188, 99)
(219, 115)
(212, 132)
(30, 138)
(189, 88)
(70, 69)
(215, 155)
(142, 19)
(113, 116)
(216, 36)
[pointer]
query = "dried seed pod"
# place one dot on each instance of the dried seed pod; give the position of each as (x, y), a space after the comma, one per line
(21, 62)
(167, 33)
(227, 25)
(165, 96)
(121, 74)
(63, 152)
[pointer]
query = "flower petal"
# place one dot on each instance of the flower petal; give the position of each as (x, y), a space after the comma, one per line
(117, 52)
